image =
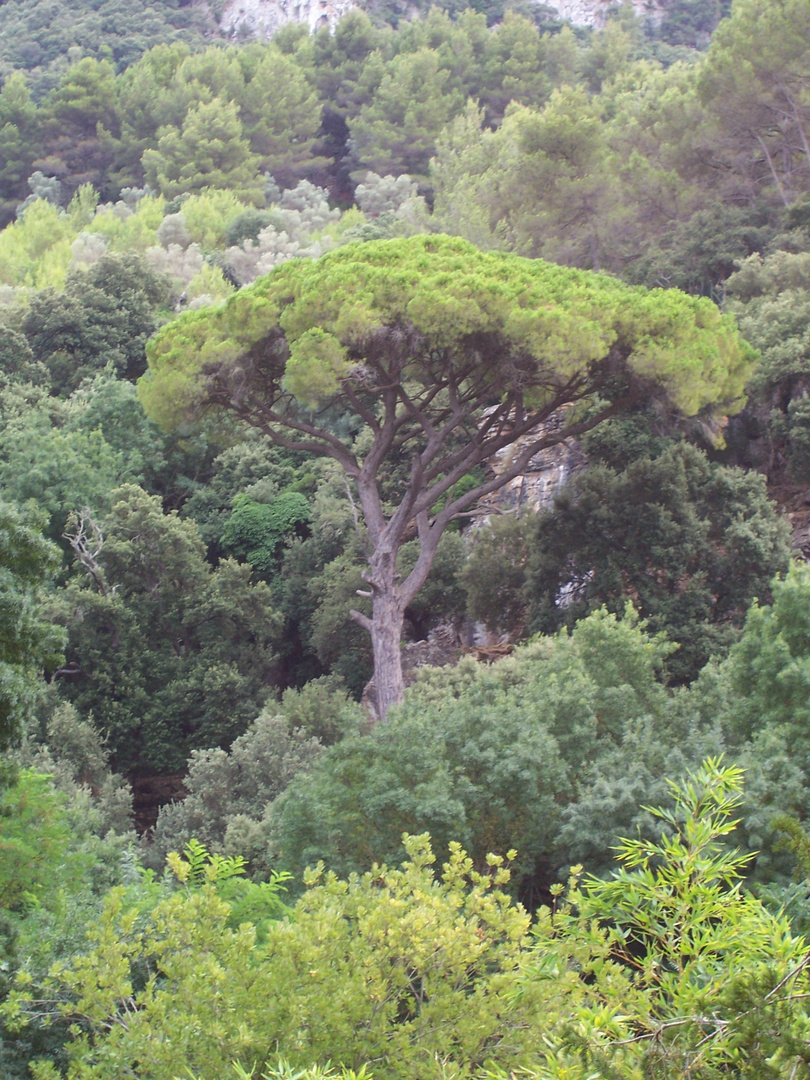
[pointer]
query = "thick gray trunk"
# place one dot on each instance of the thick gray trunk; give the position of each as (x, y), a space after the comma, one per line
(386, 635)
(385, 626)
(390, 598)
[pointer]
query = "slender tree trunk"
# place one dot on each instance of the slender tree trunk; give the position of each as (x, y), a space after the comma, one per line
(774, 174)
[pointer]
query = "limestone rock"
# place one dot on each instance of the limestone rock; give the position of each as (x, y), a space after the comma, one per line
(548, 472)
(594, 12)
(262, 18)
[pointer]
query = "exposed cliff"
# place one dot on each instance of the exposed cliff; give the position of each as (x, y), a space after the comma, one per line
(262, 18)
(594, 12)
(547, 474)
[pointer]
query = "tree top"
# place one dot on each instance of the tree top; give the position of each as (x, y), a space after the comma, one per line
(402, 309)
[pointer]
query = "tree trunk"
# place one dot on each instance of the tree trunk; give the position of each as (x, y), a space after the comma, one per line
(776, 180)
(386, 635)
(385, 625)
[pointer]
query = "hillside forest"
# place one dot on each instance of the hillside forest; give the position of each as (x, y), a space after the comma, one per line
(404, 515)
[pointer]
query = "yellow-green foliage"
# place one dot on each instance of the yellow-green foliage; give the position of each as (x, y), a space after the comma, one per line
(135, 232)
(667, 969)
(209, 214)
(82, 207)
(34, 836)
(208, 281)
(381, 967)
(552, 323)
(35, 250)
(689, 974)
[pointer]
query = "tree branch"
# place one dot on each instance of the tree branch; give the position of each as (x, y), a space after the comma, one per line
(362, 620)
(87, 541)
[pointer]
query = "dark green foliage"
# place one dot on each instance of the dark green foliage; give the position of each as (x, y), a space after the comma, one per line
(16, 358)
(338, 59)
(372, 96)
(690, 22)
(255, 531)
(700, 254)
(690, 543)
(790, 431)
(323, 710)
(251, 466)
(36, 36)
(399, 127)
(635, 434)
(341, 646)
(442, 597)
(165, 466)
(314, 587)
(79, 120)
(55, 452)
(74, 754)
(246, 226)
(172, 654)
(259, 471)
(753, 70)
(29, 642)
(771, 299)
(495, 573)
(488, 756)
(84, 99)
(284, 135)
(229, 792)
(768, 668)
(795, 839)
(19, 133)
(208, 150)
(103, 316)
(676, 176)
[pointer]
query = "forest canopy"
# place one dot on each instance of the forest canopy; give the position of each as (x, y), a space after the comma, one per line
(449, 365)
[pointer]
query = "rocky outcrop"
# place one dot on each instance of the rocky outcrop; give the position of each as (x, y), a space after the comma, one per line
(547, 473)
(262, 18)
(594, 12)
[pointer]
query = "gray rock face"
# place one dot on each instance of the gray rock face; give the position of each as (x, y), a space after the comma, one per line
(594, 12)
(548, 472)
(262, 18)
